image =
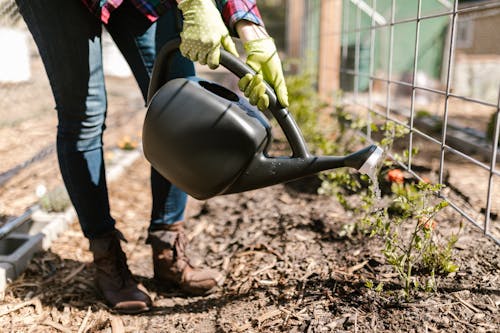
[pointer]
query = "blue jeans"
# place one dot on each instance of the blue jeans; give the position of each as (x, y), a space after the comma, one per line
(68, 38)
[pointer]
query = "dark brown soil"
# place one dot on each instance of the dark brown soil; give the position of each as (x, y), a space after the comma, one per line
(287, 269)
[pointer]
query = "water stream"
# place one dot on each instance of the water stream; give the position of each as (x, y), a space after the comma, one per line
(370, 168)
(376, 187)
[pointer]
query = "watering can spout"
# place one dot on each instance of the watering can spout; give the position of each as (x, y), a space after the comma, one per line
(266, 171)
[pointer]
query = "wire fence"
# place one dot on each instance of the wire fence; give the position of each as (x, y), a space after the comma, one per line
(434, 68)
(9, 15)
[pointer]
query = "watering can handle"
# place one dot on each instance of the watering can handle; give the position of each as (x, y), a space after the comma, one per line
(240, 69)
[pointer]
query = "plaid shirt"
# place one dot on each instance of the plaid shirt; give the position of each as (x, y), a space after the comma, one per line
(232, 10)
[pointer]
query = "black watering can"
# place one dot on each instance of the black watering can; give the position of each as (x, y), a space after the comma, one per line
(209, 141)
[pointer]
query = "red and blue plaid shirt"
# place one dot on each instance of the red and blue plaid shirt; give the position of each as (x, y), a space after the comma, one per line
(232, 10)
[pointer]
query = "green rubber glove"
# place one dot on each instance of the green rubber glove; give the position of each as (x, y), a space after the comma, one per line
(263, 58)
(203, 33)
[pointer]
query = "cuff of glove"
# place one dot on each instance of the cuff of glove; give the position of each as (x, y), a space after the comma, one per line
(184, 5)
(259, 45)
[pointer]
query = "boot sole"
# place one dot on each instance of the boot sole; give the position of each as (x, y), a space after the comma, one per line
(130, 311)
(190, 292)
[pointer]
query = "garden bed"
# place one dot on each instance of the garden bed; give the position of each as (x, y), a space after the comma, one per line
(289, 268)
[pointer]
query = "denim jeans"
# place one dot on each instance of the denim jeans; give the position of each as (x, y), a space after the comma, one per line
(68, 38)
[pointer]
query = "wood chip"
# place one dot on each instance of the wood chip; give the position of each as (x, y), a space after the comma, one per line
(265, 268)
(83, 325)
(357, 267)
(117, 325)
(244, 327)
(260, 319)
(269, 315)
(5, 310)
(55, 325)
(38, 306)
(198, 229)
(267, 283)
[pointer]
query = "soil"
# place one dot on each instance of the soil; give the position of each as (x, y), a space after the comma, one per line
(288, 265)
(287, 270)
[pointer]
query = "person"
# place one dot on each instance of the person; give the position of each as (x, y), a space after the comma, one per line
(68, 36)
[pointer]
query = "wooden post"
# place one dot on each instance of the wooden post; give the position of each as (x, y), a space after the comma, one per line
(295, 21)
(330, 46)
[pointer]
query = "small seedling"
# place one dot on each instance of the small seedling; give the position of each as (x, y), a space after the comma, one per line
(56, 200)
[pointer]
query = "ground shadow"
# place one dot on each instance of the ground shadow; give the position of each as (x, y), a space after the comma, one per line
(59, 282)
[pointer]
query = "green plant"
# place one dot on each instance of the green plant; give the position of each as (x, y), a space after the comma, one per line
(439, 257)
(306, 107)
(406, 225)
(371, 285)
(423, 113)
(56, 200)
(414, 208)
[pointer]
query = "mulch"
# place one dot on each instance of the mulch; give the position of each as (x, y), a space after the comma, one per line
(288, 269)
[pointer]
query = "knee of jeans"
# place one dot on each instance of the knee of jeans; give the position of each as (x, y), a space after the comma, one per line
(81, 134)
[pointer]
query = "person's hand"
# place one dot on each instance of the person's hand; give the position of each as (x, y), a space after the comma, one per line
(263, 58)
(203, 33)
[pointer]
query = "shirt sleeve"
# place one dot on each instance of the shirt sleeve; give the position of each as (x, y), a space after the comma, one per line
(237, 10)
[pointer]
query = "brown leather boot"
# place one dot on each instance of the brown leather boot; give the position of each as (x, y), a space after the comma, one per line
(171, 265)
(113, 277)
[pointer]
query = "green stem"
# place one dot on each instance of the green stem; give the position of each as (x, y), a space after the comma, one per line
(408, 252)
(408, 278)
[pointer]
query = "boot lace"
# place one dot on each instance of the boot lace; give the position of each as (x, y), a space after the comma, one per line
(180, 245)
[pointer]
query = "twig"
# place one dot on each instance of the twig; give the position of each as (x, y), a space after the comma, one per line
(426, 305)
(355, 321)
(340, 272)
(302, 291)
(75, 272)
(288, 314)
(461, 321)
(244, 253)
(467, 304)
(263, 269)
(357, 267)
(271, 250)
(83, 325)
